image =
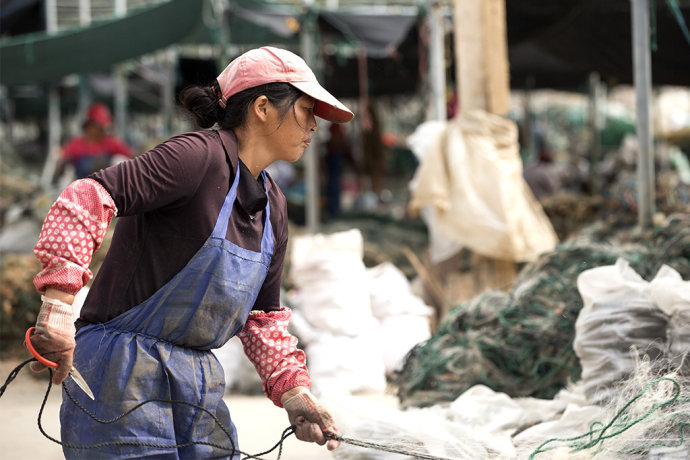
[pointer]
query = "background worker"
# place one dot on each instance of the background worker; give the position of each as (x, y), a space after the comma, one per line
(96, 148)
(373, 149)
(339, 154)
(196, 258)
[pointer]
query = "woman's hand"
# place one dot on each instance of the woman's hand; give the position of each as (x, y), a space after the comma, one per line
(311, 420)
(54, 335)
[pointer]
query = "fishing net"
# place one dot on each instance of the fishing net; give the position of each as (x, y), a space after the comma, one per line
(521, 342)
(646, 420)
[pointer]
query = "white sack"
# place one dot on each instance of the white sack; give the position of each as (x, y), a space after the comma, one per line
(240, 373)
(331, 282)
(391, 294)
(472, 177)
(403, 316)
(343, 365)
(397, 335)
(618, 323)
(672, 295)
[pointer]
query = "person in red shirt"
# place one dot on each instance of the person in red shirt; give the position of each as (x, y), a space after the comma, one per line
(96, 148)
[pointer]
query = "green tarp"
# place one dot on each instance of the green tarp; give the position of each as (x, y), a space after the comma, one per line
(37, 58)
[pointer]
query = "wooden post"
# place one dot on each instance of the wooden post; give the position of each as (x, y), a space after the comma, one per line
(483, 82)
(481, 55)
(496, 68)
(469, 61)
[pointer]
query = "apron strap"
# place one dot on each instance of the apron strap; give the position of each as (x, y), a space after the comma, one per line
(267, 238)
(221, 228)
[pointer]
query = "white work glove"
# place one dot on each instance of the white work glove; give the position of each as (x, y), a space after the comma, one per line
(54, 337)
(311, 420)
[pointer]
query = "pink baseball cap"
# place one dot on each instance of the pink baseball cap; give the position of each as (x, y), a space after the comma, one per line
(274, 65)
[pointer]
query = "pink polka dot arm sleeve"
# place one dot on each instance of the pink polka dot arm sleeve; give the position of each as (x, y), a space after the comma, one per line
(274, 353)
(72, 231)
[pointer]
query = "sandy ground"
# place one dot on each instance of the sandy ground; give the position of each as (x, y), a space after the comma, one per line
(258, 421)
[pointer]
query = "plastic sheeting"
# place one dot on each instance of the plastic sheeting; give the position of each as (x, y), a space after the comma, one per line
(479, 424)
(471, 176)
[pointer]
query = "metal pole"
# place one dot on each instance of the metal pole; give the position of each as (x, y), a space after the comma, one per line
(84, 12)
(120, 7)
(120, 77)
(54, 121)
(595, 125)
(84, 95)
(120, 100)
(311, 157)
(437, 67)
(168, 93)
(643, 90)
(51, 16)
(527, 126)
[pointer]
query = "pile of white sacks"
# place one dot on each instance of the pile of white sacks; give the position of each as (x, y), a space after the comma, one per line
(356, 324)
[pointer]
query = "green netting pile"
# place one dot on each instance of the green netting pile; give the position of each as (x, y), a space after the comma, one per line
(520, 342)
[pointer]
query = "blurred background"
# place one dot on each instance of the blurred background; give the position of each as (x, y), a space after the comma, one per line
(499, 149)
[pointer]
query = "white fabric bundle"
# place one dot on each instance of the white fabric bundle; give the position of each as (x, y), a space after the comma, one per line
(471, 176)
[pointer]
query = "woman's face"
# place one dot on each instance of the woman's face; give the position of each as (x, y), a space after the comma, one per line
(294, 133)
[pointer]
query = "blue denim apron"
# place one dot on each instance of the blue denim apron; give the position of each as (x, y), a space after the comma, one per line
(160, 350)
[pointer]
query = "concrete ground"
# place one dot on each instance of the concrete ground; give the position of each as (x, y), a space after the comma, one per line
(258, 421)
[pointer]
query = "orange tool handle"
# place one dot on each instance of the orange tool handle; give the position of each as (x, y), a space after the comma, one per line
(41, 359)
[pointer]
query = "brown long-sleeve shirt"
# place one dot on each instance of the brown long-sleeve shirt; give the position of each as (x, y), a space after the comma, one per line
(168, 201)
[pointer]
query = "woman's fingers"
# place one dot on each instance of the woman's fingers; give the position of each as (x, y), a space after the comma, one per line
(310, 432)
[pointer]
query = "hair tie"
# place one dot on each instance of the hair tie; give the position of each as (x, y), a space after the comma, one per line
(215, 87)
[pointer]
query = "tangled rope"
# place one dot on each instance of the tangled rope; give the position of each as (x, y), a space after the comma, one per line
(387, 447)
(13, 374)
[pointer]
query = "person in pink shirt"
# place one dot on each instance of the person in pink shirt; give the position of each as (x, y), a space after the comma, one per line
(96, 149)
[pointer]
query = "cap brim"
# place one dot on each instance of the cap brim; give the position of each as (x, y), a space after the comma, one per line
(327, 107)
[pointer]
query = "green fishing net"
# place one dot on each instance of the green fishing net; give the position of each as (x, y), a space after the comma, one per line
(520, 342)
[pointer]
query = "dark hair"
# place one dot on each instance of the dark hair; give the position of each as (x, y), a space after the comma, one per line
(202, 103)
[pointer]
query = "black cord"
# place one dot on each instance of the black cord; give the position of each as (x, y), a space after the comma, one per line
(279, 445)
(14, 374)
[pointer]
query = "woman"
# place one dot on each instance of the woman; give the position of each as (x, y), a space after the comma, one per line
(196, 258)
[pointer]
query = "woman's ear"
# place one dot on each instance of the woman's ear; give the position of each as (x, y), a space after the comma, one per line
(260, 107)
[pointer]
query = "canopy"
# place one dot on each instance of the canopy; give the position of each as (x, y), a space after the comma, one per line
(558, 43)
(39, 57)
(550, 43)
